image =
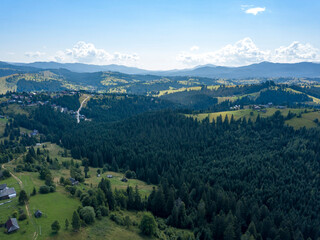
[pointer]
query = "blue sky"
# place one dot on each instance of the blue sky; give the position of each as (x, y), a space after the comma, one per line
(160, 34)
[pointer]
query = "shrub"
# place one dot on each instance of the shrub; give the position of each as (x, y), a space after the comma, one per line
(52, 188)
(104, 211)
(117, 219)
(148, 225)
(87, 214)
(22, 217)
(5, 173)
(14, 214)
(44, 189)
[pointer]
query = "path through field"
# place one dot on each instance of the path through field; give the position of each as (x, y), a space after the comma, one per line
(35, 235)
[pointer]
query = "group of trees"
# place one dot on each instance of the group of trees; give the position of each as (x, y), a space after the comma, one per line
(210, 173)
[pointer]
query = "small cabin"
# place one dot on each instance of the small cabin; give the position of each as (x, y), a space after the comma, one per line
(7, 193)
(73, 181)
(124, 180)
(38, 214)
(12, 225)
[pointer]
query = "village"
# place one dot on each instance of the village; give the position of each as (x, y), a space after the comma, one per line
(258, 107)
(33, 99)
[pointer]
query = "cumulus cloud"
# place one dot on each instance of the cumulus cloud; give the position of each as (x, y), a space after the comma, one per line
(194, 48)
(255, 10)
(36, 54)
(88, 53)
(245, 52)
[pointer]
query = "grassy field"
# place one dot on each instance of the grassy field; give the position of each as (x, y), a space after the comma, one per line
(116, 182)
(60, 205)
(56, 151)
(306, 119)
(195, 88)
(26, 230)
(14, 109)
(107, 229)
(314, 99)
(3, 122)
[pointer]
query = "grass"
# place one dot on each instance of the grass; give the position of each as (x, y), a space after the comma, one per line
(314, 99)
(144, 188)
(13, 109)
(3, 122)
(55, 151)
(107, 229)
(306, 119)
(26, 228)
(54, 206)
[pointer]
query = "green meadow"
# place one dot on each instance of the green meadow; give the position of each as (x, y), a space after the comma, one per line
(306, 120)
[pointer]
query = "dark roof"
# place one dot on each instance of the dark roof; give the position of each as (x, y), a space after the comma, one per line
(38, 213)
(124, 180)
(7, 192)
(73, 181)
(12, 225)
(3, 186)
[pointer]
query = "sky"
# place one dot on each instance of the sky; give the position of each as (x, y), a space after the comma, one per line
(160, 34)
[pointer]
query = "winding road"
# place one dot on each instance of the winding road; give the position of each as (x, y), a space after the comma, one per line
(78, 112)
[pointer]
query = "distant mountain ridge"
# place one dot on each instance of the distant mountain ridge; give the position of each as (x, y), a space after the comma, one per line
(258, 70)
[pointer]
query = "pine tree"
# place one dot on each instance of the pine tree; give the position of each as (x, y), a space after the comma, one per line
(23, 197)
(86, 170)
(75, 221)
(55, 226)
(66, 224)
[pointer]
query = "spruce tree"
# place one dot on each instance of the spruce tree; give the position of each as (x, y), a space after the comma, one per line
(75, 221)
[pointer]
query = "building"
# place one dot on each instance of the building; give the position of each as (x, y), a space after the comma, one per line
(38, 214)
(124, 180)
(109, 176)
(7, 193)
(73, 181)
(3, 186)
(12, 225)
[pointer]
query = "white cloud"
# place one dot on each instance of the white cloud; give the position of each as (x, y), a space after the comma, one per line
(245, 52)
(194, 48)
(253, 10)
(88, 53)
(36, 54)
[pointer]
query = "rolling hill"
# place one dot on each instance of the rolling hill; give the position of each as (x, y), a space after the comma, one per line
(259, 70)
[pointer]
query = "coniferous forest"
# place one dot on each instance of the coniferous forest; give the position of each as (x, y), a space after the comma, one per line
(226, 179)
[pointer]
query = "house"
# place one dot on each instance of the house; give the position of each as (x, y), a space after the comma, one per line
(35, 132)
(73, 181)
(124, 180)
(12, 225)
(7, 193)
(38, 214)
(3, 186)
(109, 176)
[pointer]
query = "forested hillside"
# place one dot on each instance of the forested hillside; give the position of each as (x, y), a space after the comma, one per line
(223, 180)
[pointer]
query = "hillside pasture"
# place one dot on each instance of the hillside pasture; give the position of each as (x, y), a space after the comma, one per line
(306, 119)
